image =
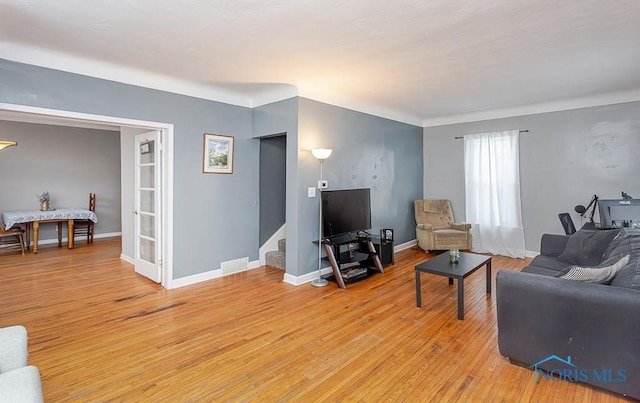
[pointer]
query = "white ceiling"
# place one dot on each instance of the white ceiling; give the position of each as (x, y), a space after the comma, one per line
(423, 62)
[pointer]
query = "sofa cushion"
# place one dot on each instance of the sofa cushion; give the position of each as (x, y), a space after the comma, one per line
(587, 247)
(599, 275)
(549, 262)
(628, 276)
(540, 270)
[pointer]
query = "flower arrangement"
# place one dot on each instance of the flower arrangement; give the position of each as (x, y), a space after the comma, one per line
(44, 197)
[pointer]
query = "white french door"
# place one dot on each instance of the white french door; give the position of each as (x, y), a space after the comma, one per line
(147, 212)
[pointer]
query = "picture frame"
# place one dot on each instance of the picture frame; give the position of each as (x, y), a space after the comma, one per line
(217, 155)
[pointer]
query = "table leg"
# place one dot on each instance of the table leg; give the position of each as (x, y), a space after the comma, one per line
(59, 224)
(70, 232)
(450, 280)
(489, 277)
(36, 228)
(461, 298)
(418, 292)
(27, 230)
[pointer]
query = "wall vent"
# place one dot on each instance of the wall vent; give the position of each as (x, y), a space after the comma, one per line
(234, 266)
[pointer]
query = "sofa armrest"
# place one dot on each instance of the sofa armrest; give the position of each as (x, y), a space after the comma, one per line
(13, 348)
(21, 385)
(598, 326)
(553, 244)
(461, 226)
(425, 227)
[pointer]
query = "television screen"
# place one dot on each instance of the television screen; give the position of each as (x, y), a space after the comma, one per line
(345, 211)
(618, 213)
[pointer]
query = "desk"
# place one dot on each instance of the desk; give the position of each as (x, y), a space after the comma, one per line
(35, 217)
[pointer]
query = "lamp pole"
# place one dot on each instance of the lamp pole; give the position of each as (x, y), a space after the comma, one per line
(321, 154)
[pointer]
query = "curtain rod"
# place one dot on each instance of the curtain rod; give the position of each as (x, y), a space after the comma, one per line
(461, 137)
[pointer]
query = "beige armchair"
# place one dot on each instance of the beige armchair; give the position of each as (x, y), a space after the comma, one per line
(435, 229)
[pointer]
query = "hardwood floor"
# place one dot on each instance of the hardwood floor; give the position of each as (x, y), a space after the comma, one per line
(99, 332)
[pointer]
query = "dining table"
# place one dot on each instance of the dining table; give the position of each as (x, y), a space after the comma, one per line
(33, 218)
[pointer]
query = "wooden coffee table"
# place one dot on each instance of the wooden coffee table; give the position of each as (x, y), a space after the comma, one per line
(440, 265)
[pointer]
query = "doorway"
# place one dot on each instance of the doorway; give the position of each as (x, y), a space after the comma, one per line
(128, 128)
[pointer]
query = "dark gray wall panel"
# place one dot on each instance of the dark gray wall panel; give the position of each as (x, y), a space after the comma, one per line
(565, 158)
(273, 189)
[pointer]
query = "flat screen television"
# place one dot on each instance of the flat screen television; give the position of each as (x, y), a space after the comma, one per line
(345, 211)
(618, 213)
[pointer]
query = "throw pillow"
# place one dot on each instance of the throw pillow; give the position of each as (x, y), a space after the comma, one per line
(586, 247)
(600, 275)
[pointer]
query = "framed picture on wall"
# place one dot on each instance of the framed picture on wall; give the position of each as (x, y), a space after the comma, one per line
(218, 154)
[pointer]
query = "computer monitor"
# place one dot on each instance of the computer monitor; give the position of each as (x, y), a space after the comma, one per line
(618, 213)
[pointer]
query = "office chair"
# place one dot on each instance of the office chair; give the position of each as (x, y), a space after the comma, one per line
(567, 223)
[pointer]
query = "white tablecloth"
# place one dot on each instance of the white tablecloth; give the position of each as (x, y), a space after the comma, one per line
(9, 218)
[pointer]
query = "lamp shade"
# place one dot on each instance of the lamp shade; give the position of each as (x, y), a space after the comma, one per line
(5, 144)
(321, 153)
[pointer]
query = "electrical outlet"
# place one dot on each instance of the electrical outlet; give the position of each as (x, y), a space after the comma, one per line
(323, 184)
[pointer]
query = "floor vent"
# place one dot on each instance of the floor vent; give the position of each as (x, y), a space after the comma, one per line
(233, 266)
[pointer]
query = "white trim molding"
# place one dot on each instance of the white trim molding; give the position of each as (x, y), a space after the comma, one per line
(209, 275)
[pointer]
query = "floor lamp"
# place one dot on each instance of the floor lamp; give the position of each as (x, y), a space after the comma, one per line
(321, 155)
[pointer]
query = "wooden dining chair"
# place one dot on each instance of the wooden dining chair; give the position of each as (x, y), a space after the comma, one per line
(85, 227)
(17, 233)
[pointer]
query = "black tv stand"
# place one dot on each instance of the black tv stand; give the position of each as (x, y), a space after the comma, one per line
(351, 264)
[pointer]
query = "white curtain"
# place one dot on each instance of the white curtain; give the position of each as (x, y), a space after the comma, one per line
(492, 191)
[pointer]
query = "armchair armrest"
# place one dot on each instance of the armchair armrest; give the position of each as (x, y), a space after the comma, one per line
(425, 226)
(595, 324)
(553, 244)
(461, 226)
(13, 348)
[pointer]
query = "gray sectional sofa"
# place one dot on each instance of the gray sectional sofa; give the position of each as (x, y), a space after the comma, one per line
(576, 330)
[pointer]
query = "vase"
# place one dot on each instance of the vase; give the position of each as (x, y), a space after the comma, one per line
(44, 206)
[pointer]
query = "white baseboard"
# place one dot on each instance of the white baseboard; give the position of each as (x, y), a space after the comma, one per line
(127, 259)
(406, 245)
(208, 275)
(80, 239)
(305, 278)
(531, 253)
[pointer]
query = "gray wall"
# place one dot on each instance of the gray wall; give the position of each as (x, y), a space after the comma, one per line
(565, 158)
(368, 152)
(69, 163)
(273, 189)
(215, 216)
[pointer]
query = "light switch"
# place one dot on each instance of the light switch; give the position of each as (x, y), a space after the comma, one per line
(311, 192)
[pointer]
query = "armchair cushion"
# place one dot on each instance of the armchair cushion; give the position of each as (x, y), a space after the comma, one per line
(461, 226)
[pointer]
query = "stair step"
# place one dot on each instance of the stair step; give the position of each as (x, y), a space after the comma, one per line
(276, 259)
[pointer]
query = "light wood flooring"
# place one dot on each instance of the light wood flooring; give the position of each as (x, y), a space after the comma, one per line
(100, 332)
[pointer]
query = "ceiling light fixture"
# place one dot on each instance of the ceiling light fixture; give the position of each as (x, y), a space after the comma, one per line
(6, 143)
